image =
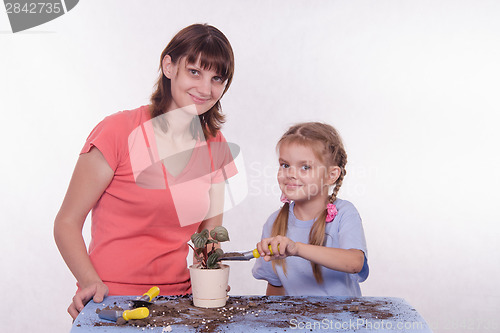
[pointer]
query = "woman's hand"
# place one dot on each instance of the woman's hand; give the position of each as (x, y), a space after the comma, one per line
(281, 248)
(96, 291)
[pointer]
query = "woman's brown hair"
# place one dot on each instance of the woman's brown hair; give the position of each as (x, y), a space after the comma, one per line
(212, 48)
(327, 145)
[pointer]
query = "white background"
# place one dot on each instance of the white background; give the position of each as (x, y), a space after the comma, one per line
(413, 87)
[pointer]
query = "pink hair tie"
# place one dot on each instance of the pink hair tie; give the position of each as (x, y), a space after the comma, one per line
(331, 211)
(284, 199)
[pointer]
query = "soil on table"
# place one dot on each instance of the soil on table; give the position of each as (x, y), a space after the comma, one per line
(263, 311)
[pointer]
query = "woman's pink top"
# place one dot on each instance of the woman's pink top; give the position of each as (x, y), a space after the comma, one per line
(145, 217)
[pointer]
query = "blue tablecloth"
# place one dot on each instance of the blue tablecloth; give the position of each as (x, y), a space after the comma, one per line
(266, 314)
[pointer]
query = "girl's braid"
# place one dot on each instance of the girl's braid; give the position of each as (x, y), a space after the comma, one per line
(340, 158)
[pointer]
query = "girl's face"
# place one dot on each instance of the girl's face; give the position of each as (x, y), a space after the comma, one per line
(302, 176)
(191, 85)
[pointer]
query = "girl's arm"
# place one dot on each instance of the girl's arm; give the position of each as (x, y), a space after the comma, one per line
(342, 260)
(275, 291)
(90, 178)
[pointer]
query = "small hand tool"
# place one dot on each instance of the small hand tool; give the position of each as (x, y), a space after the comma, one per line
(146, 299)
(242, 256)
(114, 315)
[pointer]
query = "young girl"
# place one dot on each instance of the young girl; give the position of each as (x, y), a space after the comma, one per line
(314, 245)
(152, 177)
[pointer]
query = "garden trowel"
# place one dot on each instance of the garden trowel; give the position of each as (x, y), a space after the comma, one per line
(114, 315)
(146, 299)
(242, 256)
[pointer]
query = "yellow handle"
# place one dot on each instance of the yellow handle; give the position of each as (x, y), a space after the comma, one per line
(256, 253)
(152, 293)
(138, 313)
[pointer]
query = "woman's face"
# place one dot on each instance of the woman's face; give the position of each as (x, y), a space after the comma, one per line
(191, 85)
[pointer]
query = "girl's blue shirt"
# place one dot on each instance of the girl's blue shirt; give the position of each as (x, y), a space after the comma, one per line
(344, 232)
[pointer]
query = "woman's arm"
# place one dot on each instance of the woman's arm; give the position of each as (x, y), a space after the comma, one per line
(342, 260)
(90, 178)
(213, 220)
(214, 215)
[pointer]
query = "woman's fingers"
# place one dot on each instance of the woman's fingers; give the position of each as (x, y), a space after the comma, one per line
(79, 300)
(73, 312)
(96, 291)
(101, 292)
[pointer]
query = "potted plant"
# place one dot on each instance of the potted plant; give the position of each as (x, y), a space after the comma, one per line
(209, 278)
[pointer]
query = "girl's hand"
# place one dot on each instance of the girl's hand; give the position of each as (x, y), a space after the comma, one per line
(287, 247)
(96, 291)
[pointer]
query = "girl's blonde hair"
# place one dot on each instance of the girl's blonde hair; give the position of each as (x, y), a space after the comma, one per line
(327, 145)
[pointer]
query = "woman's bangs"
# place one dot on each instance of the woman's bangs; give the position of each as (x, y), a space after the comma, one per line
(212, 56)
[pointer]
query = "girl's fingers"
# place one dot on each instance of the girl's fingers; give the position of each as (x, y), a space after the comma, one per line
(262, 247)
(271, 246)
(274, 247)
(278, 245)
(282, 249)
(259, 249)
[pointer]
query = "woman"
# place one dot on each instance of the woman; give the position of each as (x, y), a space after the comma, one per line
(152, 177)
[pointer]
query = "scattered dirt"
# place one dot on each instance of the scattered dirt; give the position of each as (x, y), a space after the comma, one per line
(261, 311)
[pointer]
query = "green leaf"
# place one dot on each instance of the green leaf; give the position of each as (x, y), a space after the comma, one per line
(220, 233)
(200, 239)
(213, 259)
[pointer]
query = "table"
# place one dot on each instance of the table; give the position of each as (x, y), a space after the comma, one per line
(262, 314)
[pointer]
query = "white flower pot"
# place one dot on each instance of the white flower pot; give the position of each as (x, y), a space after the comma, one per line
(209, 286)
